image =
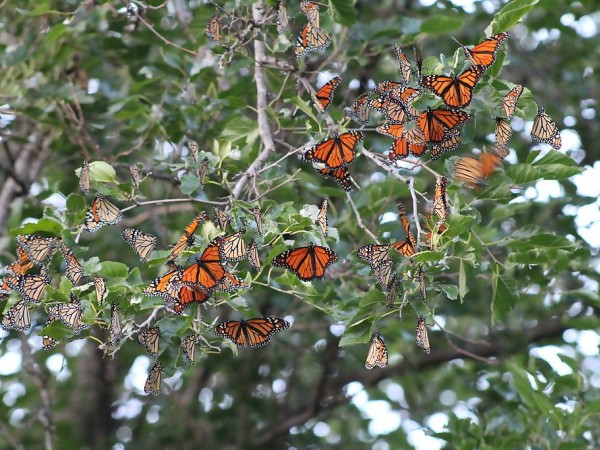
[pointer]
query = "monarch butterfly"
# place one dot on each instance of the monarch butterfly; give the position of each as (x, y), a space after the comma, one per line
(165, 286)
(17, 317)
(21, 265)
(30, 286)
(378, 354)
(341, 175)
(202, 171)
(335, 152)
(324, 96)
(509, 103)
(193, 148)
(206, 273)
(383, 274)
(253, 256)
(401, 147)
(188, 346)
(186, 296)
(84, 178)
(152, 384)
(450, 142)
(49, 342)
(311, 11)
(101, 289)
(230, 283)
(435, 122)
(252, 332)
(484, 53)
(74, 271)
(101, 212)
(408, 246)
(405, 66)
(38, 249)
(391, 292)
(114, 330)
(311, 38)
(422, 338)
(148, 337)
(359, 110)
(385, 87)
(545, 130)
(503, 132)
(5, 289)
(233, 247)
(399, 131)
(322, 217)
(136, 176)
(440, 199)
(187, 239)
(70, 314)
(258, 219)
(141, 243)
(307, 263)
(455, 92)
(422, 286)
(223, 219)
(394, 110)
(374, 254)
(473, 171)
(282, 17)
(214, 29)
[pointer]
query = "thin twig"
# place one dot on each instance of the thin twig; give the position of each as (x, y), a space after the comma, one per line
(487, 249)
(359, 221)
(172, 200)
(162, 38)
(413, 194)
(261, 108)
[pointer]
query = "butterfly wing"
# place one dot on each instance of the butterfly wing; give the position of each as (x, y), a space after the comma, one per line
(324, 96)
(114, 330)
(84, 178)
(545, 130)
(509, 103)
(307, 263)
(322, 217)
(208, 270)
(335, 152)
(101, 212)
(74, 271)
(188, 346)
(484, 53)
(152, 384)
(378, 355)
(214, 29)
(409, 245)
(253, 256)
(341, 175)
(233, 247)
(149, 338)
(421, 335)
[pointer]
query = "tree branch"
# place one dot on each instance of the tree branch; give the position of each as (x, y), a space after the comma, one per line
(261, 108)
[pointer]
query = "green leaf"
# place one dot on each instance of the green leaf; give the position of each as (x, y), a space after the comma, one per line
(510, 15)
(45, 225)
(56, 32)
(114, 269)
(189, 183)
(450, 290)
(102, 172)
(442, 24)
(462, 281)
(503, 298)
(346, 10)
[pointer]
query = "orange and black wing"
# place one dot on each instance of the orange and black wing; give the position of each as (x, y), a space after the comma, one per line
(359, 110)
(84, 178)
(322, 217)
(503, 132)
(545, 130)
(233, 247)
(335, 152)
(405, 66)
(456, 92)
(311, 38)
(421, 334)
(408, 246)
(307, 263)
(341, 175)
(101, 212)
(509, 103)
(324, 96)
(149, 338)
(253, 332)
(208, 270)
(214, 29)
(253, 256)
(141, 243)
(38, 249)
(484, 53)
(188, 346)
(152, 384)
(187, 239)
(436, 122)
(74, 271)
(450, 142)
(374, 254)
(378, 354)
(440, 199)
(22, 264)
(187, 296)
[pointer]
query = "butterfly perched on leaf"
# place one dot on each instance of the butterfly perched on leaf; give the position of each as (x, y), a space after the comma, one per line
(378, 354)
(282, 17)
(440, 198)
(335, 152)
(252, 332)
(321, 220)
(230, 283)
(165, 285)
(186, 296)
(48, 342)
(74, 271)
(449, 143)
(214, 29)
(509, 102)
(101, 213)
(142, 243)
(405, 66)
(435, 123)
(253, 256)
(152, 384)
(545, 130)
(114, 330)
(38, 249)
(391, 292)
(223, 219)
(17, 317)
(503, 132)
(484, 53)
(21, 265)
(323, 97)
(30, 286)
(374, 254)
(455, 92)
(149, 338)
(187, 239)
(233, 248)
(70, 314)
(84, 178)
(359, 111)
(258, 219)
(408, 246)
(421, 334)
(208, 270)
(307, 263)
(188, 346)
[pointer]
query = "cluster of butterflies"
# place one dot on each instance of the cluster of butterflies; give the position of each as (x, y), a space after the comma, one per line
(415, 131)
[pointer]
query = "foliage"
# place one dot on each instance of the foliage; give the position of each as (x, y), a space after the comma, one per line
(509, 278)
